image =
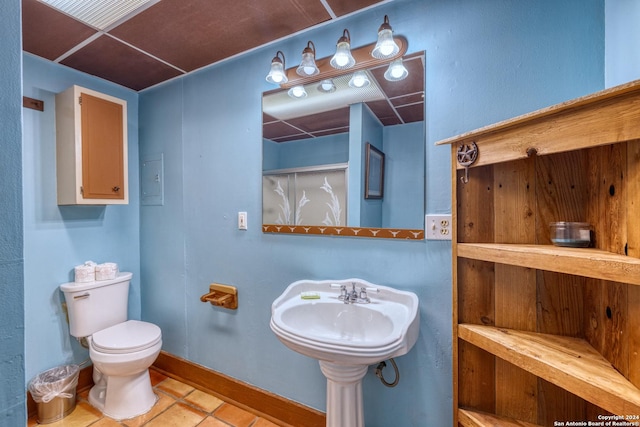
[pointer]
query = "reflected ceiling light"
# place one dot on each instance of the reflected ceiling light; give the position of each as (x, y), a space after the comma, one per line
(386, 47)
(343, 58)
(308, 65)
(327, 86)
(297, 92)
(276, 74)
(359, 80)
(396, 71)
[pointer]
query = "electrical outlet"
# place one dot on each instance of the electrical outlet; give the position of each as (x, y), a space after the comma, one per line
(438, 227)
(242, 220)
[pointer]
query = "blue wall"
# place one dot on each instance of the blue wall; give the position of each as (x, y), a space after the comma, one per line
(404, 150)
(56, 238)
(369, 131)
(323, 150)
(486, 61)
(622, 41)
(12, 328)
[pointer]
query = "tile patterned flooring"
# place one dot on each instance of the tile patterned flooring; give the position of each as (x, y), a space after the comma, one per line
(178, 405)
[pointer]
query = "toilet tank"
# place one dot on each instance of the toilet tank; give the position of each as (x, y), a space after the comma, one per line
(94, 306)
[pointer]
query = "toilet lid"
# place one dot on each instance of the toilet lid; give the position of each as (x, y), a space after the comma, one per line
(126, 337)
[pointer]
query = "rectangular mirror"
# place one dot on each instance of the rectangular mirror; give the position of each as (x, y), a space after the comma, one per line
(315, 156)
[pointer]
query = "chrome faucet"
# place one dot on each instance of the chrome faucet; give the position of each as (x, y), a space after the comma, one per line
(353, 296)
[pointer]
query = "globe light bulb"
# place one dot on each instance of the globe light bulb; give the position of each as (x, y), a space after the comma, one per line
(297, 92)
(387, 49)
(397, 72)
(359, 80)
(341, 60)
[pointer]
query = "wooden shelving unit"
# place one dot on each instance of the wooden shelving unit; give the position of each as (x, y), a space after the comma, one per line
(482, 419)
(546, 334)
(592, 263)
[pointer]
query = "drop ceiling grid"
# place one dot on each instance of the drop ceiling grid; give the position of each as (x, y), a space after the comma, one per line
(168, 36)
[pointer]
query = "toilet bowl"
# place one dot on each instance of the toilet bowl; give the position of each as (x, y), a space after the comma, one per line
(121, 350)
(121, 356)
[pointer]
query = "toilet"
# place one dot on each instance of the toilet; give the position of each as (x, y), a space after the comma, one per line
(121, 350)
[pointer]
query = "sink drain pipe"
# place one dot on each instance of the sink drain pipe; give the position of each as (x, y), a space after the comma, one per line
(379, 374)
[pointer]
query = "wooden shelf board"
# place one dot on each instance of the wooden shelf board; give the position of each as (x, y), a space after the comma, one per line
(471, 418)
(585, 262)
(599, 119)
(549, 112)
(570, 363)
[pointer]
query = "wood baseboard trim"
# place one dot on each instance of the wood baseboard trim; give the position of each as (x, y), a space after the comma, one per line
(267, 405)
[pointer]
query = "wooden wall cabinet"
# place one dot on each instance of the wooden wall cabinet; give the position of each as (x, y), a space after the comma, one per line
(91, 148)
(543, 334)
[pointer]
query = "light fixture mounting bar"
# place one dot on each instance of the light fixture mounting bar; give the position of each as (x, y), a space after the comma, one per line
(363, 59)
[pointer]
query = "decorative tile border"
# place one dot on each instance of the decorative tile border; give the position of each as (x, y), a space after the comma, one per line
(381, 233)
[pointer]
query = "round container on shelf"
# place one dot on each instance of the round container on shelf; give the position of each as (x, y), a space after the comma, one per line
(570, 234)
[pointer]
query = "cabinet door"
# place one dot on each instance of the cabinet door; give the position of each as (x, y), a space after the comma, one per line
(102, 148)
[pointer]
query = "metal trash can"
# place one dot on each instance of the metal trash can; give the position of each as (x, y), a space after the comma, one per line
(54, 392)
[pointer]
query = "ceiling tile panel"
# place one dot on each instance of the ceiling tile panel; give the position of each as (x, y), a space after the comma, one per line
(275, 130)
(320, 121)
(343, 7)
(112, 60)
(196, 33)
(411, 113)
(293, 138)
(168, 37)
(384, 112)
(408, 99)
(414, 83)
(49, 33)
(266, 118)
(331, 131)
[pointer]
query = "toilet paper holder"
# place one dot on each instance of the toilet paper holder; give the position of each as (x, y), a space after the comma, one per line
(225, 296)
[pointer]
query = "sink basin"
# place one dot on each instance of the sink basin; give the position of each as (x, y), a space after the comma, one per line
(311, 318)
(328, 329)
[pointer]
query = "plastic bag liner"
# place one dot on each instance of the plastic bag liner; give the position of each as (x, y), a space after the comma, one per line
(57, 382)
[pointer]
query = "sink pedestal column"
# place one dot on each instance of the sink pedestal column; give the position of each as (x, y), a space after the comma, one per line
(344, 394)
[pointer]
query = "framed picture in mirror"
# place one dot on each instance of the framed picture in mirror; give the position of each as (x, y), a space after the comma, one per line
(374, 173)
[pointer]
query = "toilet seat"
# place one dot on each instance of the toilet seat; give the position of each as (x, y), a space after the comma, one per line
(126, 337)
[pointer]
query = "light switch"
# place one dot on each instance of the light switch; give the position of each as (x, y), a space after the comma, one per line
(242, 220)
(438, 227)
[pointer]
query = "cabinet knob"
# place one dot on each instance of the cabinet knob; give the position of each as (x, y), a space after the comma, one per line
(116, 188)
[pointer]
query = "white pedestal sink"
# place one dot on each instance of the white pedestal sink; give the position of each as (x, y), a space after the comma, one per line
(310, 318)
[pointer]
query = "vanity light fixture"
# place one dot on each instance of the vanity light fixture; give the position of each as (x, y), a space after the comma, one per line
(343, 59)
(308, 65)
(327, 86)
(359, 80)
(277, 74)
(361, 59)
(386, 47)
(297, 92)
(396, 71)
